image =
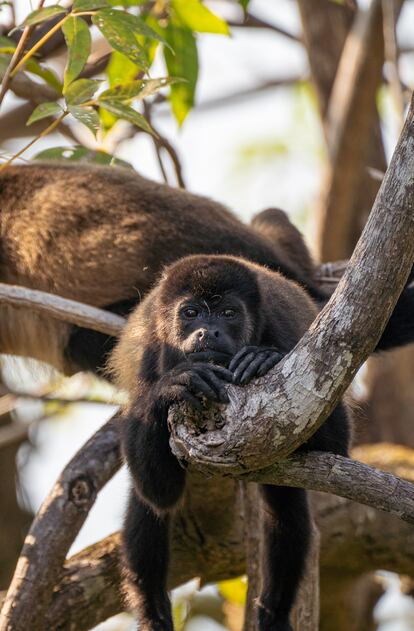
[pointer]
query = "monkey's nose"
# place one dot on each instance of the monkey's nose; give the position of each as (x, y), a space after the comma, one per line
(204, 334)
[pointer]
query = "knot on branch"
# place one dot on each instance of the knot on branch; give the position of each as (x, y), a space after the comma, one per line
(82, 492)
(248, 433)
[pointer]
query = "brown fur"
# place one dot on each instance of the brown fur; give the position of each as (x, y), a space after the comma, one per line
(289, 305)
(102, 235)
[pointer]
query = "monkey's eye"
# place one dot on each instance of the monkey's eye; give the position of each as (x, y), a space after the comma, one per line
(228, 313)
(190, 313)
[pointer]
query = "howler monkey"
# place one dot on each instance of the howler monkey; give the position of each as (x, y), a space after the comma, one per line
(210, 320)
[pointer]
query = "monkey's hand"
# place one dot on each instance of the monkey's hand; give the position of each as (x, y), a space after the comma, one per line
(253, 361)
(191, 381)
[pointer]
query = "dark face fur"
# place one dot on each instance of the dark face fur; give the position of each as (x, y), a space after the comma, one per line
(209, 305)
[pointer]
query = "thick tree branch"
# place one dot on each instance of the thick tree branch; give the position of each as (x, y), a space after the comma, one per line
(326, 30)
(363, 540)
(304, 388)
(55, 528)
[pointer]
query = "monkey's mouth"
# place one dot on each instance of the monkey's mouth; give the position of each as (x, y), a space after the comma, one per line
(212, 356)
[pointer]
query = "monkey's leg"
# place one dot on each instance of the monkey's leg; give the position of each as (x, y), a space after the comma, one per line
(146, 552)
(333, 436)
(286, 539)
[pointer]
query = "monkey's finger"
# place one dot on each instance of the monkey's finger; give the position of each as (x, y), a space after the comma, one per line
(216, 383)
(187, 396)
(220, 371)
(240, 355)
(223, 373)
(221, 389)
(199, 383)
(180, 393)
(269, 363)
(241, 367)
(251, 371)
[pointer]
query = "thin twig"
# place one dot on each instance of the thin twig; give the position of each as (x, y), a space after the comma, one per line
(161, 142)
(46, 131)
(16, 56)
(248, 93)
(38, 44)
(251, 21)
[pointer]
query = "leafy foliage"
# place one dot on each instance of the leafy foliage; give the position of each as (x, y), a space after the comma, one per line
(134, 30)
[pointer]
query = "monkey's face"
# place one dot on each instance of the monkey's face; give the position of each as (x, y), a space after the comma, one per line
(216, 328)
(212, 326)
(208, 305)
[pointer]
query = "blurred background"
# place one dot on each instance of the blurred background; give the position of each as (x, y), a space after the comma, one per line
(269, 127)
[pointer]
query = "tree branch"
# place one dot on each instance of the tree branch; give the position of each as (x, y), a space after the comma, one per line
(251, 21)
(61, 308)
(88, 590)
(55, 528)
(304, 388)
(349, 128)
(16, 56)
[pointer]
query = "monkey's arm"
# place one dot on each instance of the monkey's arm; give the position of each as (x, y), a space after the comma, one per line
(158, 477)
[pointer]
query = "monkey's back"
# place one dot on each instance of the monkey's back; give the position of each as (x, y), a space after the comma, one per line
(101, 234)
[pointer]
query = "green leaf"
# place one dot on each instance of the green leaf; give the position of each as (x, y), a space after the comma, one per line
(183, 64)
(197, 17)
(107, 119)
(44, 73)
(78, 41)
(122, 29)
(120, 35)
(135, 89)
(89, 5)
(244, 4)
(44, 110)
(127, 3)
(81, 91)
(140, 27)
(87, 116)
(42, 15)
(80, 154)
(120, 69)
(125, 112)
